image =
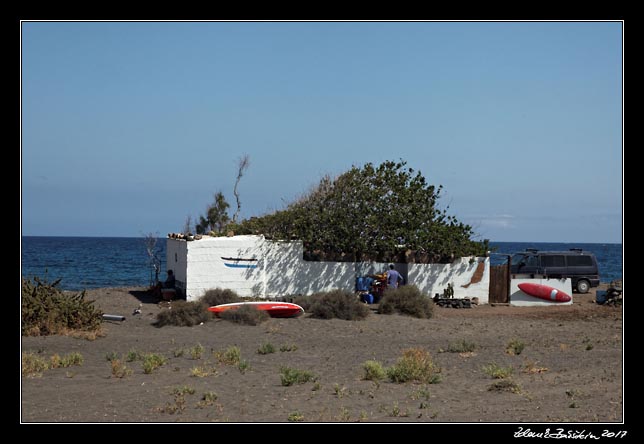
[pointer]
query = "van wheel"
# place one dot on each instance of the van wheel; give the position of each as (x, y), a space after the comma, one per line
(583, 286)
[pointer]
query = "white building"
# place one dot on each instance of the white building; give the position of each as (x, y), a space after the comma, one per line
(254, 266)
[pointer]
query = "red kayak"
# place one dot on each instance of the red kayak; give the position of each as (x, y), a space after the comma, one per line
(274, 309)
(544, 292)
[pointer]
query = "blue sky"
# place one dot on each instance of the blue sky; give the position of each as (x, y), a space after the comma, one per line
(129, 127)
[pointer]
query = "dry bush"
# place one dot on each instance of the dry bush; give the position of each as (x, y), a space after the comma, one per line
(218, 296)
(339, 304)
(245, 315)
(406, 300)
(183, 314)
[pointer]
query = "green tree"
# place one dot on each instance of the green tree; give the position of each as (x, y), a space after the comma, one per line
(216, 218)
(379, 212)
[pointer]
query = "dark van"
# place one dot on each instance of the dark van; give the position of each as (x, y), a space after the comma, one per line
(578, 265)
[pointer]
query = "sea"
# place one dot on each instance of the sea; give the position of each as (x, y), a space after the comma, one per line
(96, 262)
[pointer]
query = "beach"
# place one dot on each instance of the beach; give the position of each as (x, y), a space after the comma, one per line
(569, 368)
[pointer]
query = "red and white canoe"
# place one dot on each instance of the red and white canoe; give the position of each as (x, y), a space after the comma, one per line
(274, 309)
(544, 292)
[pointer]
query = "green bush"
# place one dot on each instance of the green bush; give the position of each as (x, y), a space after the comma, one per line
(373, 371)
(461, 346)
(266, 348)
(230, 356)
(406, 300)
(245, 315)
(183, 314)
(152, 361)
(339, 304)
(497, 372)
(218, 296)
(515, 347)
(46, 310)
(415, 365)
(290, 376)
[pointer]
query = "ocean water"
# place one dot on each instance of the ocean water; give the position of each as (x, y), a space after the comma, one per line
(95, 262)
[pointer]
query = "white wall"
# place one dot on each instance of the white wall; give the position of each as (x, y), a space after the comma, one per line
(519, 298)
(281, 270)
(433, 278)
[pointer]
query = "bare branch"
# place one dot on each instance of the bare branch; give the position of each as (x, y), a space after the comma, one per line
(243, 164)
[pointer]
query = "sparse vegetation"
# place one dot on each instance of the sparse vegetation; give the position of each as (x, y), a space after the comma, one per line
(295, 417)
(497, 372)
(183, 314)
(119, 369)
(461, 346)
(266, 348)
(288, 347)
(152, 361)
(515, 347)
(196, 351)
(373, 371)
(531, 367)
(339, 304)
(202, 371)
(34, 365)
(406, 300)
(290, 376)
(504, 385)
(207, 399)
(46, 310)
(415, 365)
(230, 356)
(245, 315)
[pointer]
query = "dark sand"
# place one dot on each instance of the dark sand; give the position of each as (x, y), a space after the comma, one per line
(578, 348)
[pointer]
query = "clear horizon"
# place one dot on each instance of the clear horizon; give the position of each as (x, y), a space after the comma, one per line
(130, 127)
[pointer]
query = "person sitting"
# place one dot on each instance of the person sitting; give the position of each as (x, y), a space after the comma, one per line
(170, 281)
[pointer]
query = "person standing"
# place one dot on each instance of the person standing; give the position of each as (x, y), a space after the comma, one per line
(393, 277)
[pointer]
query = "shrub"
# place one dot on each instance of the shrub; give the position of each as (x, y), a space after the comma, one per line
(152, 361)
(303, 301)
(290, 376)
(218, 296)
(245, 315)
(415, 365)
(119, 369)
(295, 417)
(373, 371)
(183, 314)
(230, 356)
(498, 372)
(406, 300)
(339, 304)
(33, 365)
(46, 310)
(266, 348)
(515, 347)
(197, 351)
(461, 346)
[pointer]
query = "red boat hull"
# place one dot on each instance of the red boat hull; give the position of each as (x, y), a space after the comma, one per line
(274, 309)
(544, 292)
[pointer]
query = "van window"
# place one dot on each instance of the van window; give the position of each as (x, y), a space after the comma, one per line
(553, 261)
(532, 261)
(580, 261)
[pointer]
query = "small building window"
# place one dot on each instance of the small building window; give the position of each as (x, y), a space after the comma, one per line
(175, 257)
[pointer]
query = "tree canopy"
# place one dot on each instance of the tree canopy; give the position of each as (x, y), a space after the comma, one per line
(387, 212)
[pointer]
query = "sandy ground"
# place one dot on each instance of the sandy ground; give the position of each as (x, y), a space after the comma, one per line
(569, 371)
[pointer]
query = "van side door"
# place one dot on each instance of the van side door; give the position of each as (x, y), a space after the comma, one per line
(553, 265)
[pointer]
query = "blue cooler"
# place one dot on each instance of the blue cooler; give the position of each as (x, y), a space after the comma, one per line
(600, 297)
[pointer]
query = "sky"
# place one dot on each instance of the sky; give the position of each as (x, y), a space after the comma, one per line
(128, 128)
